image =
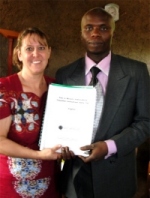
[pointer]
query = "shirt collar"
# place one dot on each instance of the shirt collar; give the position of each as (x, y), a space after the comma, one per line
(103, 65)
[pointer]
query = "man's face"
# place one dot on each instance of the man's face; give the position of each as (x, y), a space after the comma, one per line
(96, 33)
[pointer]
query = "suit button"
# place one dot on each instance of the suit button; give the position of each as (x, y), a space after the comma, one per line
(112, 161)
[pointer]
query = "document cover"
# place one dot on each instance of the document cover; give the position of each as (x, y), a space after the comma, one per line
(69, 116)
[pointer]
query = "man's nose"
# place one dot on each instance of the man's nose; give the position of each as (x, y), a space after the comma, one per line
(96, 32)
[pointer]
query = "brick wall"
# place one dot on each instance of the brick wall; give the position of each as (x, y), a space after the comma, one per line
(60, 19)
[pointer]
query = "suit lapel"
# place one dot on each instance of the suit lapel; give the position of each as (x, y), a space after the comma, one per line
(78, 76)
(116, 87)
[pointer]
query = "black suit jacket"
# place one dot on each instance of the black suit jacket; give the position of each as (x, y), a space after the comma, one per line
(125, 119)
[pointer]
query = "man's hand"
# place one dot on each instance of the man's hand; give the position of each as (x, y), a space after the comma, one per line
(66, 154)
(97, 151)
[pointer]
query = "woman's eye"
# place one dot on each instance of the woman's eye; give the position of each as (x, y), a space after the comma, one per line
(29, 49)
(41, 48)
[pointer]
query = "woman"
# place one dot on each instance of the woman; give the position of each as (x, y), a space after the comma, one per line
(24, 170)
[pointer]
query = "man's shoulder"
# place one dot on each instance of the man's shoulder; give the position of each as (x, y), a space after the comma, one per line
(129, 66)
(71, 66)
(127, 59)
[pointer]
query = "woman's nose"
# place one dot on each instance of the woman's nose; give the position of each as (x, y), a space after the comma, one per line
(35, 52)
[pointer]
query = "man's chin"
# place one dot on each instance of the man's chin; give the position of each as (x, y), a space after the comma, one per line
(94, 52)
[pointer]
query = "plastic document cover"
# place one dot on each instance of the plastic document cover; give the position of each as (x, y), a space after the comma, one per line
(68, 118)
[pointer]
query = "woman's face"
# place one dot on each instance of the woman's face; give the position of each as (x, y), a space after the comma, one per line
(34, 54)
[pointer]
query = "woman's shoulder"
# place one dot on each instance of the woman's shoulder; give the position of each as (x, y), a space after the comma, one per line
(8, 81)
(49, 79)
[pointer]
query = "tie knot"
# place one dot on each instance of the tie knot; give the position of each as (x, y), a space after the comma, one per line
(94, 70)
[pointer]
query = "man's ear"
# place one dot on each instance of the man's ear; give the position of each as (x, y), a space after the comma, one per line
(81, 35)
(114, 34)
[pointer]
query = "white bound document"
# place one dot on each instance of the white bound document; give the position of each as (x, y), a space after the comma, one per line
(68, 118)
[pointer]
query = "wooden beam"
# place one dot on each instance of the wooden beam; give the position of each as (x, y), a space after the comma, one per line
(9, 33)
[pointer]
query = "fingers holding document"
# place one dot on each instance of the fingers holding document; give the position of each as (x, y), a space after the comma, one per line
(55, 153)
(49, 153)
(66, 153)
(97, 151)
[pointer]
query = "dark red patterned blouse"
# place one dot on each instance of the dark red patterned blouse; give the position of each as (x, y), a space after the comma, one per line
(26, 178)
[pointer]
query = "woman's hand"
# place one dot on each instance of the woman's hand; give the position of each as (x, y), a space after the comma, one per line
(52, 154)
(96, 150)
(49, 153)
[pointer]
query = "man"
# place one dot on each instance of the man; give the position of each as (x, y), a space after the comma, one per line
(109, 170)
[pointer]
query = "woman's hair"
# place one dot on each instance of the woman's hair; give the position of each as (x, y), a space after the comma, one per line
(22, 35)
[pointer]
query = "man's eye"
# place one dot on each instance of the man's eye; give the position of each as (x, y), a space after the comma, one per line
(104, 28)
(88, 28)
